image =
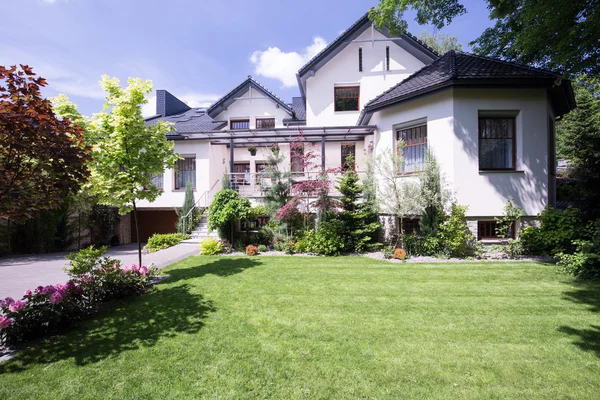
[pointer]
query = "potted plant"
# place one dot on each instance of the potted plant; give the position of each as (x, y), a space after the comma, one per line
(252, 150)
(275, 148)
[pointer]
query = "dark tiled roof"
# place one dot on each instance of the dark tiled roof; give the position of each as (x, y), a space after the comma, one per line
(229, 98)
(454, 68)
(167, 104)
(299, 108)
(347, 35)
(193, 120)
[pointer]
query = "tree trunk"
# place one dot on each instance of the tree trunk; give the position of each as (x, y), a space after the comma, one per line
(137, 234)
(8, 235)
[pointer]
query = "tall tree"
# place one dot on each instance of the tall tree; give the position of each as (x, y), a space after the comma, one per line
(578, 139)
(435, 196)
(42, 158)
(439, 41)
(126, 152)
(561, 35)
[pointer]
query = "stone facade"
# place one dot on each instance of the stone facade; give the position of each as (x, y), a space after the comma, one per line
(125, 229)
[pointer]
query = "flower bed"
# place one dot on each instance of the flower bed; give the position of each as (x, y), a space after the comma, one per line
(50, 309)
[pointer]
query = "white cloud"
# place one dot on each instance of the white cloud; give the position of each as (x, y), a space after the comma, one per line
(192, 99)
(277, 64)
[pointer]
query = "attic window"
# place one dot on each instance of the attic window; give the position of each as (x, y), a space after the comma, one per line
(347, 98)
(360, 59)
(239, 124)
(387, 58)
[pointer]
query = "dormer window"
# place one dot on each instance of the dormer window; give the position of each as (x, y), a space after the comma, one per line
(347, 98)
(360, 59)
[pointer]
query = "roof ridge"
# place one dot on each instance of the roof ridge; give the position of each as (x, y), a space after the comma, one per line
(407, 79)
(511, 63)
(267, 90)
(416, 39)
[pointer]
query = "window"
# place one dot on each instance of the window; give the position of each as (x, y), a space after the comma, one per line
(346, 98)
(360, 59)
(415, 147)
(239, 124)
(411, 226)
(348, 150)
(158, 181)
(297, 159)
(241, 174)
(487, 230)
(185, 172)
(387, 58)
(265, 123)
(497, 143)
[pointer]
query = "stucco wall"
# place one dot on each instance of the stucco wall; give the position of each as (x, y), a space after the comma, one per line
(257, 107)
(343, 69)
(452, 123)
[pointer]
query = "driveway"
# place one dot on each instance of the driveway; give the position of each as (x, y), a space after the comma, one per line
(19, 273)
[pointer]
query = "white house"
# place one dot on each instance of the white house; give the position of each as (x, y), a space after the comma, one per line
(490, 124)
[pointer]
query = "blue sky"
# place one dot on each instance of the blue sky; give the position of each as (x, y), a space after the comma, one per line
(198, 50)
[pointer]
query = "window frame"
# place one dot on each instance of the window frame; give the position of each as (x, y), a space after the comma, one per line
(401, 128)
(387, 58)
(265, 119)
(340, 87)
(360, 59)
(493, 225)
(232, 121)
(344, 164)
(411, 224)
(292, 157)
(513, 141)
(176, 172)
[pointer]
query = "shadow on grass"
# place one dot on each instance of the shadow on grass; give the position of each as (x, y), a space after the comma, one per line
(139, 322)
(195, 268)
(586, 293)
(164, 312)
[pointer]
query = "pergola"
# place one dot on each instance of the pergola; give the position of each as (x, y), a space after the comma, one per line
(259, 137)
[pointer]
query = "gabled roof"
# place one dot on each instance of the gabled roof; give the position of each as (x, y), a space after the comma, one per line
(225, 101)
(456, 68)
(194, 120)
(426, 53)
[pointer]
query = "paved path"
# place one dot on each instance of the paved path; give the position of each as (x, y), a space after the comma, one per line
(19, 273)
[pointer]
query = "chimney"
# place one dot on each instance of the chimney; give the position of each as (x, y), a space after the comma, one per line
(167, 104)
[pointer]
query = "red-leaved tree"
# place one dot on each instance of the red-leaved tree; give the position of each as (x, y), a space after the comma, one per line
(42, 158)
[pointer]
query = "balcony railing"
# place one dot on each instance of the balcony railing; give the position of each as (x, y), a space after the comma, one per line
(253, 184)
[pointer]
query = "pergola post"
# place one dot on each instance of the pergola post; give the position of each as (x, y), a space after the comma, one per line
(230, 163)
(323, 153)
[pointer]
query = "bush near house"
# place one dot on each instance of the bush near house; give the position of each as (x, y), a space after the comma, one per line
(53, 308)
(251, 250)
(160, 241)
(211, 247)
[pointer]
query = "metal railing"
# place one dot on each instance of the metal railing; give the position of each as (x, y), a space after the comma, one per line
(203, 199)
(253, 184)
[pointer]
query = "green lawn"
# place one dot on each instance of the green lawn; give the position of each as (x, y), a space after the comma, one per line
(330, 328)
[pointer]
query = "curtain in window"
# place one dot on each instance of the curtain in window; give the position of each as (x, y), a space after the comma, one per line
(186, 172)
(496, 143)
(157, 181)
(265, 123)
(240, 124)
(415, 148)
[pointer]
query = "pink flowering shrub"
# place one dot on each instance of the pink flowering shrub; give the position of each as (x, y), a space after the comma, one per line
(53, 308)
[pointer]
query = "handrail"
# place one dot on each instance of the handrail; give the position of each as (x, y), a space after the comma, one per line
(203, 196)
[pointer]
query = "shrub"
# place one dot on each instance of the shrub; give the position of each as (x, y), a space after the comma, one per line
(53, 308)
(160, 241)
(399, 254)
(454, 232)
(327, 240)
(251, 250)
(584, 263)
(289, 247)
(211, 247)
(557, 231)
(302, 245)
(262, 248)
(388, 252)
(513, 249)
(416, 245)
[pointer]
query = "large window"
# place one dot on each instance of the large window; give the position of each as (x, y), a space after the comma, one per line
(347, 98)
(185, 172)
(348, 156)
(414, 148)
(297, 159)
(239, 124)
(265, 123)
(497, 143)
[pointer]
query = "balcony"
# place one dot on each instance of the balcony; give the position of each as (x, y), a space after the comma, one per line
(253, 184)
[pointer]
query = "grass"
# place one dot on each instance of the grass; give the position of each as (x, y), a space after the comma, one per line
(322, 328)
